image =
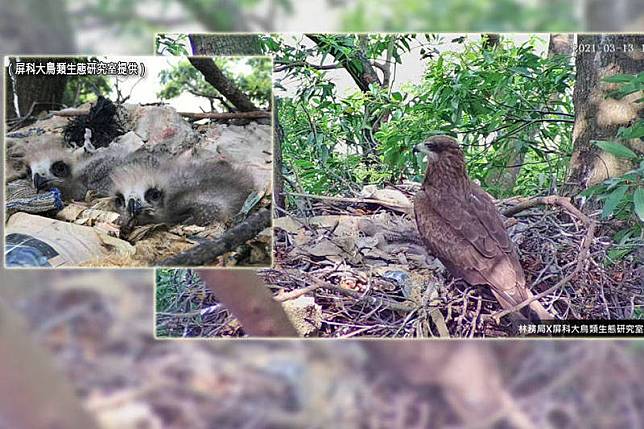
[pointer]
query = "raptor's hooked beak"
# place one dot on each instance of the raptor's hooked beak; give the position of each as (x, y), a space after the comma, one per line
(39, 182)
(134, 207)
(423, 148)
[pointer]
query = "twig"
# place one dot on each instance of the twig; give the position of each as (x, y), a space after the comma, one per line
(289, 65)
(398, 207)
(294, 294)
(193, 313)
(552, 200)
(205, 253)
(583, 254)
(314, 281)
(258, 114)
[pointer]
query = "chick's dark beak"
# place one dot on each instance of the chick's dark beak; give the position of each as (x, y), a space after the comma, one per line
(134, 207)
(39, 182)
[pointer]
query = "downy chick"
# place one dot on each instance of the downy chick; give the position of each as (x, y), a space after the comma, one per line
(74, 172)
(50, 165)
(156, 189)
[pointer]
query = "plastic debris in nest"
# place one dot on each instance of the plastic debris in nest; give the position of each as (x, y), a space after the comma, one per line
(21, 197)
(103, 122)
(33, 240)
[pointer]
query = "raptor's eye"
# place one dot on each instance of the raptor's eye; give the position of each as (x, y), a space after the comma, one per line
(152, 195)
(119, 200)
(60, 169)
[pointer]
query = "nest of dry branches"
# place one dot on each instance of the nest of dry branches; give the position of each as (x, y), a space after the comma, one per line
(368, 274)
(364, 264)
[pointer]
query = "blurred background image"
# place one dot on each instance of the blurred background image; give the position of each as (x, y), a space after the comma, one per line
(127, 26)
(77, 348)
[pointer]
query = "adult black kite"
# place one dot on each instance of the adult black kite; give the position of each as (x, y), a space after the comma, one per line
(460, 225)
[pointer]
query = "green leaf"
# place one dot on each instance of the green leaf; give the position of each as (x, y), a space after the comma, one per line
(635, 131)
(617, 149)
(638, 201)
(620, 78)
(523, 71)
(613, 201)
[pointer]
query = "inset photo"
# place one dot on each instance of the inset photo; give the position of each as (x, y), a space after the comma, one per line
(445, 185)
(138, 162)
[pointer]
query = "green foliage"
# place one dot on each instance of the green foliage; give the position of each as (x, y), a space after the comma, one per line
(461, 15)
(252, 75)
(171, 285)
(617, 149)
(638, 203)
(499, 100)
(174, 45)
(165, 288)
(83, 89)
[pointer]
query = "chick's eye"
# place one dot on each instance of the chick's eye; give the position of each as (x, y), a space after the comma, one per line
(152, 194)
(60, 169)
(119, 200)
(29, 171)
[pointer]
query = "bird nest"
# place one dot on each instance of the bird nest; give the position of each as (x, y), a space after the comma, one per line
(362, 267)
(367, 269)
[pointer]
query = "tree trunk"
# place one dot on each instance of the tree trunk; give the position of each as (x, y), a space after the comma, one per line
(9, 93)
(225, 44)
(34, 27)
(39, 93)
(468, 374)
(221, 83)
(597, 115)
(219, 15)
(279, 200)
(250, 301)
(614, 15)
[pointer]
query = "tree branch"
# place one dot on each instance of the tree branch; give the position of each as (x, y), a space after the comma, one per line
(205, 253)
(552, 200)
(227, 115)
(258, 114)
(285, 66)
(216, 77)
(363, 76)
(250, 301)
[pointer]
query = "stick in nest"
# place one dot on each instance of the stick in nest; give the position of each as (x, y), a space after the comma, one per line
(583, 255)
(315, 283)
(551, 200)
(205, 253)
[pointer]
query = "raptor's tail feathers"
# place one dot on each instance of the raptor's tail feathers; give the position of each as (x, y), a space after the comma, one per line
(509, 300)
